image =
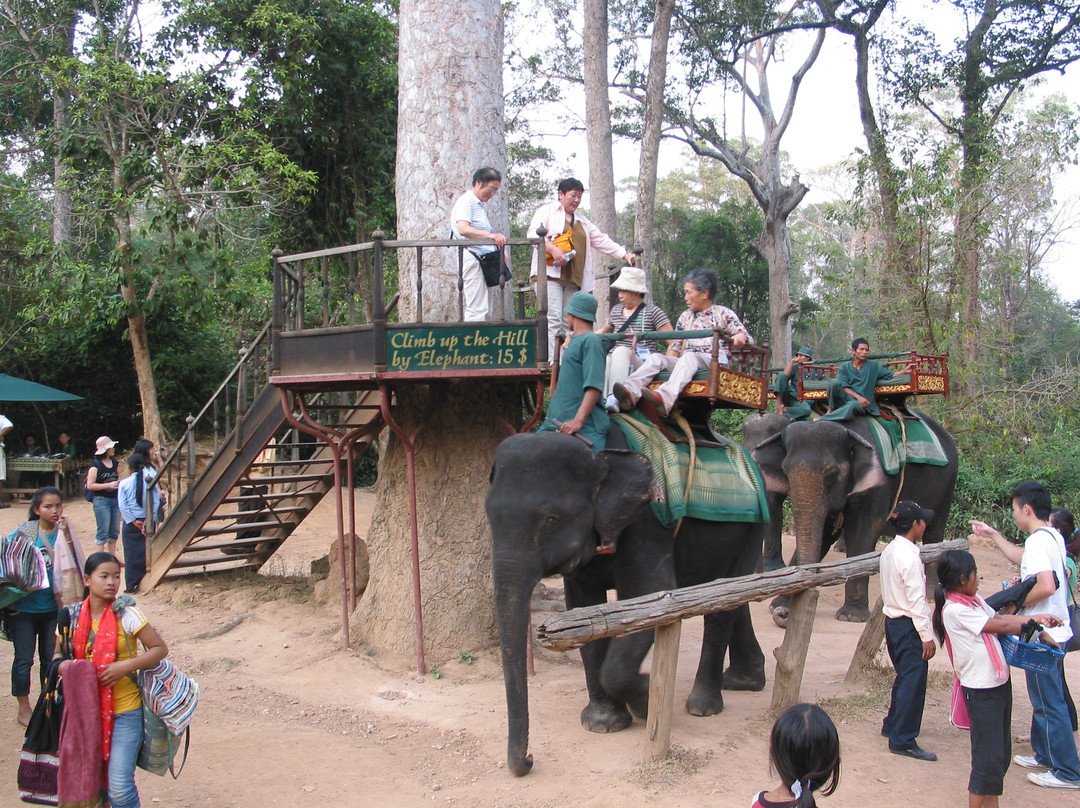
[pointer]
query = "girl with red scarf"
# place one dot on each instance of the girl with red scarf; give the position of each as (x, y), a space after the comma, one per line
(966, 626)
(104, 630)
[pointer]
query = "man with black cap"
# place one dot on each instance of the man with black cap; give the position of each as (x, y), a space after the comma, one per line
(908, 634)
(786, 388)
(575, 406)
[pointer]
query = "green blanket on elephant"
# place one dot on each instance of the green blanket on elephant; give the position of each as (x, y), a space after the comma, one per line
(726, 487)
(921, 445)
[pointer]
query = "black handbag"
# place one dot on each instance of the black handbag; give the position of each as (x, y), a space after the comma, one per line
(494, 267)
(40, 760)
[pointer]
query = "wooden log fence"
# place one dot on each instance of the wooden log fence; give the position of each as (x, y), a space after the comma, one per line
(665, 611)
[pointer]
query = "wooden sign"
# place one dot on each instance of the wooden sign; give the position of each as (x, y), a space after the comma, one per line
(482, 346)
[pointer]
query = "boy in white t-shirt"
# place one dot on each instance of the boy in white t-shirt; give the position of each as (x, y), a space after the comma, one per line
(1043, 557)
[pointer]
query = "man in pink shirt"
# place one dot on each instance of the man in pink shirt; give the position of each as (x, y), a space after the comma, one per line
(908, 635)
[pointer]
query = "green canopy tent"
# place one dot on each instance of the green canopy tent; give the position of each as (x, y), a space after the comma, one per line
(13, 388)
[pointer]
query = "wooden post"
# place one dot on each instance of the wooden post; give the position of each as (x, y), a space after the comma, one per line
(791, 655)
(869, 645)
(662, 691)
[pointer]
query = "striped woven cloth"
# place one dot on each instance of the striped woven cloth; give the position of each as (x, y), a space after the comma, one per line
(921, 446)
(726, 486)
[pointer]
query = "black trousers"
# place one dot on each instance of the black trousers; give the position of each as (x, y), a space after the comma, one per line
(990, 710)
(134, 555)
(904, 720)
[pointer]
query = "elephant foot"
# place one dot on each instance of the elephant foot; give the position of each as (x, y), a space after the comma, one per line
(705, 701)
(852, 614)
(753, 681)
(605, 716)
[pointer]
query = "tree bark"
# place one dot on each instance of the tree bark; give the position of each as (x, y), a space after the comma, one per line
(450, 122)
(651, 134)
(598, 136)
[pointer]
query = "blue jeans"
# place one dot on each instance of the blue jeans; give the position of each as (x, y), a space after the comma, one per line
(126, 741)
(1051, 732)
(107, 516)
(904, 720)
(30, 631)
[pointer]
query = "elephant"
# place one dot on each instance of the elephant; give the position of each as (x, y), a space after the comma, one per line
(551, 501)
(838, 488)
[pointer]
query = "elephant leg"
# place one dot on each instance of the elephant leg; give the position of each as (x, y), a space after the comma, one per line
(621, 676)
(747, 671)
(604, 712)
(856, 607)
(772, 553)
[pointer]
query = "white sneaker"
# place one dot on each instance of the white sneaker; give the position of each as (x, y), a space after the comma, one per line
(1027, 762)
(611, 404)
(1049, 780)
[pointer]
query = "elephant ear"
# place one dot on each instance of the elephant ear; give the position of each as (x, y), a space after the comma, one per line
(626, 484)
(866, 470)
(769, 455)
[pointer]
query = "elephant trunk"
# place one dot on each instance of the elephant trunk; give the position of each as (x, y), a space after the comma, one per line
(809, 508)
(513, 595)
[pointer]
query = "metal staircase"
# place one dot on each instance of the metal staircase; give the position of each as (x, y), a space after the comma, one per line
(261, 482)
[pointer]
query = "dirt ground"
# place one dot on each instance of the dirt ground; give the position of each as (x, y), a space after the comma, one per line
(287, 717)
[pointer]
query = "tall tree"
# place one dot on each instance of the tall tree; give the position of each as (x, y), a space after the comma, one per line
(450, 122)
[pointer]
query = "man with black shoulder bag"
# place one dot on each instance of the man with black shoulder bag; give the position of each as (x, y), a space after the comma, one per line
(483, 263)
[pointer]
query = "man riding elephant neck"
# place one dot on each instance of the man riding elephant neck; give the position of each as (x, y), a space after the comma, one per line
(851, 393)
(786, 388)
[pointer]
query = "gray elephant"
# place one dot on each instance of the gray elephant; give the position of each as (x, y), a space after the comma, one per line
(833, 474)
(551, 503)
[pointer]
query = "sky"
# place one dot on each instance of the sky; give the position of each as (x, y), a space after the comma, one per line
(826, 130)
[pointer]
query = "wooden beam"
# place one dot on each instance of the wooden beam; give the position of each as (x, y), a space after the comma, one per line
(574, 628)
(662, 691)
(791, 655)
(868, 646)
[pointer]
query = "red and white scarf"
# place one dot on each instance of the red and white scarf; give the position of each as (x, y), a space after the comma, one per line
(103, 650)
(993, 647)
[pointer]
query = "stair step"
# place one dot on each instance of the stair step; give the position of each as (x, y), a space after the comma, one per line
(240, 563)
(218, 517)
(264, 464)
(210, 561)
(284, 478)
(238, 544)
(236, 528)
(268, 495)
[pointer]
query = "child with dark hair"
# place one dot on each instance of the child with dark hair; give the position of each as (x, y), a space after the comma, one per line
(966, 626)
(1063, 520)
(804, 749)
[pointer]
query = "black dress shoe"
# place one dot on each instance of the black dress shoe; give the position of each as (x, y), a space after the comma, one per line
(916, 752)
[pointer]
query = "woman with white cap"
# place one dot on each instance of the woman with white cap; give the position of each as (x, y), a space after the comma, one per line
(631, 315)
(103, 478)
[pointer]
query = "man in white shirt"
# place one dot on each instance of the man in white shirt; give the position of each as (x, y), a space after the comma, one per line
(469, 219)
(1043, 557)
(908, 634)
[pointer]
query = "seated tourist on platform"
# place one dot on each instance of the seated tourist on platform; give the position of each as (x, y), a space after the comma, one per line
(685, 357)
(575, 406)
(786, 388)
(469, 219)
(631, 315)
(851, 393)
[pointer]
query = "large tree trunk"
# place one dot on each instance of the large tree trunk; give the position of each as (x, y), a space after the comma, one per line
(450, 122)
(653, 129)
(601, 182)
(62, 190)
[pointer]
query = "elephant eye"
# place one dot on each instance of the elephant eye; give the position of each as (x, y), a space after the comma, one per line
(551, 519)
